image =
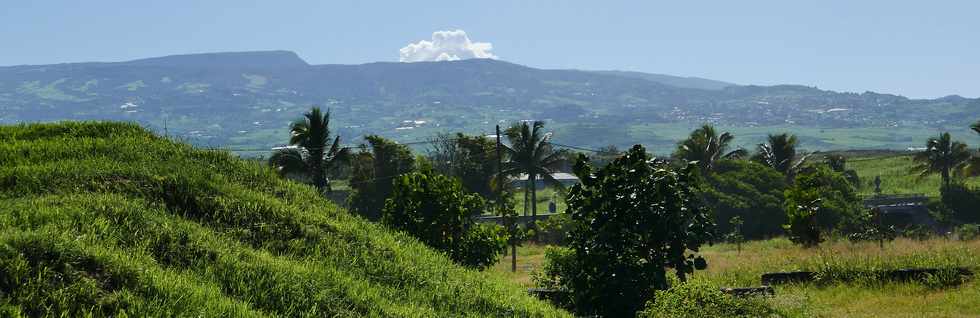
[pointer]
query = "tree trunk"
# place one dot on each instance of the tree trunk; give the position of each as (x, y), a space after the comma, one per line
(945, 175)
(319, 180)
(534, 202)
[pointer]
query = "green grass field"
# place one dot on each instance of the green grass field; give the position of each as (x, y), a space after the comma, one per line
(896, 176)
(105, 219)
(729, 267)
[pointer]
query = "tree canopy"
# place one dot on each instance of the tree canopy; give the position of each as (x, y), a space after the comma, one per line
(632, 220)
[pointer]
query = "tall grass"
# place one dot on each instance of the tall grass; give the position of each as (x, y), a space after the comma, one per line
(107, 219)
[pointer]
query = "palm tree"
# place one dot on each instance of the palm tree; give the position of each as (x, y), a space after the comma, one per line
(943, 156)
(707, 147)
(530, 153)
(780, 153)
(310, 156)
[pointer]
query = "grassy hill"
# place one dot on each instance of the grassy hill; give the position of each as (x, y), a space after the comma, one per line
(108, 219)
(897, 176)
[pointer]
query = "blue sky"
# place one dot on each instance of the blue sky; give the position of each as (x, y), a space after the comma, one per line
(913, 48)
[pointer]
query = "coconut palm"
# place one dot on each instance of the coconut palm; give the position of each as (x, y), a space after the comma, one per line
(707, 147)
(309, 156)
(531, 154)
(779, 153)
(943, 156)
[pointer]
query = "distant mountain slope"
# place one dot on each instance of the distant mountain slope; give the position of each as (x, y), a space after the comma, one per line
(677, 81)
(106, 220)
(246, 100)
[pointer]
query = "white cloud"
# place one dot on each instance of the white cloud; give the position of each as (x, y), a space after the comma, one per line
(446, 46)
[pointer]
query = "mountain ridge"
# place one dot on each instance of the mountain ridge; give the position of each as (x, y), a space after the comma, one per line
(193, 95)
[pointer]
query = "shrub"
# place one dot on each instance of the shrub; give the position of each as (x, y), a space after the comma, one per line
(968, 232)
(435, 209)
(631, 221)
(749, 190)
(962, 202)
(700, 299)
(802, 227)
(822, 200)
(554, 229)
(558, 263)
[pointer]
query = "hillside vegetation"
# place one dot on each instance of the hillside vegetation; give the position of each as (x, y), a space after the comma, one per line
(108, 219)
(191, 96)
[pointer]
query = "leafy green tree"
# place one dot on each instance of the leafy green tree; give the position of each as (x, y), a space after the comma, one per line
(373, 172)
(706, 147)
(632, 220)
(821, 200)
(779, 153)
(750, 191)
(531, 153)
(435, 209)
(802, 227)
(838, 163)
(736, 234)
(311, 158)
(962, 203)
(943, 156)
(470, 158)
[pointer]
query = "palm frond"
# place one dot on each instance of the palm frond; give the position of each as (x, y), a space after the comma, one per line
(290, 161)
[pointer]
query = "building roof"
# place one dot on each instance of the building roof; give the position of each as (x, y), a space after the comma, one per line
(560, 176)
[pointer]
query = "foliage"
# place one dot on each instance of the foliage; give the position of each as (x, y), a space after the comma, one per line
(706, 147)
(736, 235)
(748, 190)
(802, 227)
(530, 153)
(872, 229)
(435, 209)
(559, 262)
(962, 202)
(472, 159)
(373, 173)
(603, 156)
(311, 158)
(838, 163)
(837, 205)
(554, 230)
(698, 298)
(779, 153)
(632, 220)
(968, 232)
(105, 219)
(943, 156)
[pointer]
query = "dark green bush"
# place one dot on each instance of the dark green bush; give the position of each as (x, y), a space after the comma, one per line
(632, 220)
(435, 209)
(699, 299)
(968, 232)
(822, 200)
(554, 229)
(962, 202)
(749, 190)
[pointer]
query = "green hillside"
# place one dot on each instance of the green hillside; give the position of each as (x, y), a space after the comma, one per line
(191, 97)
(108, 219)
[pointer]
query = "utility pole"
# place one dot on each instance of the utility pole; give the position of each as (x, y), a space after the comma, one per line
(500, 204)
